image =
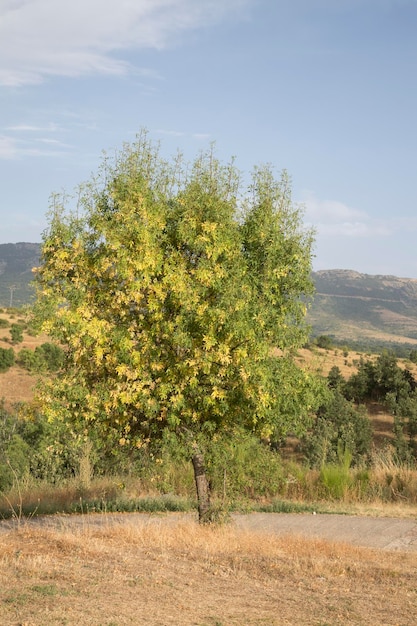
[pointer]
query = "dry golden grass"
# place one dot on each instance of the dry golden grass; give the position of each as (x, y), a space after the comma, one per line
(182, 574)
(321, 361)
(17, 385)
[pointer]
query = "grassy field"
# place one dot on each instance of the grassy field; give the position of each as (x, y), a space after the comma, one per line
(162, 575)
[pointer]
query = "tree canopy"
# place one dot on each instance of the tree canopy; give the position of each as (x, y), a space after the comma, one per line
(179, 296)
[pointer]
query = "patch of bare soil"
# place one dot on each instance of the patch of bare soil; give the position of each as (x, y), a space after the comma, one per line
(162, 575)
(382, 423)
(17, 384)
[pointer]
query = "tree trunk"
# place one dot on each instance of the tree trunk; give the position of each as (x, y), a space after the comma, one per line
(202, 486)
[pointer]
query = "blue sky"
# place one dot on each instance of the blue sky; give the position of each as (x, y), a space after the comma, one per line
(326, 89)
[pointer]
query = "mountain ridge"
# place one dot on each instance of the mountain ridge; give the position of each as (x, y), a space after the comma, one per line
(373, 310)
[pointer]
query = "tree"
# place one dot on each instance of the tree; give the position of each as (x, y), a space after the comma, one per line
(335, 379)
(16, 332)
(7, 359)
(325, 342)
(169, 288)
(340, 425)
(363, 384)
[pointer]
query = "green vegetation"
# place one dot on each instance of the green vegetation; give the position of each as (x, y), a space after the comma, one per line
(340, 430)
(323, 341)
(7, 359)
(170, 291)
(48, 357)
(16, 332)
(175, 303)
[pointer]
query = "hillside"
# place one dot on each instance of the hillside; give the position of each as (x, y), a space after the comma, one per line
(360, 310)
(16, 263)
(363, 309)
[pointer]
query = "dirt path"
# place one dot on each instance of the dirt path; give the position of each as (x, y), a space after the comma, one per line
(370, 532)
(382, 532)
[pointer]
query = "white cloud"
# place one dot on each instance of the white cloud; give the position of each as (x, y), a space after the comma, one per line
(52, 127)
(12, 148)
(332, 218)
(41, 38)
(328, 210)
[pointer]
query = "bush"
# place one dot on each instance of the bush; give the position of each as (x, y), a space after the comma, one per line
(338, 425)
(16, 332)
(413, 356)
(14, 462)
(47, 357)
(14, 452)
(7, 359)
(30, 360)
(52, 355)
(239, 465)
(4, 323)
(325, 342)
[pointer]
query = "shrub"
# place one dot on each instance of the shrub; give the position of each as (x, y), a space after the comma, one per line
(336, 477)
(14, 452)
(338, 423)
(239, 465)
(7, 359)
(14, 462)
(323, 341)
(52, 355)
(413, 356)
(30, 360)
(16, 332)
(47, 357)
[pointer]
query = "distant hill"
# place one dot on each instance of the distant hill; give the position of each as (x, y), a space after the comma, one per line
(357, 309)
(361, 309)
(16, 262)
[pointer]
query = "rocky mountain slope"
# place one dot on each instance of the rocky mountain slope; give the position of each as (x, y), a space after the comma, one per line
(16, 263)
(354, 307)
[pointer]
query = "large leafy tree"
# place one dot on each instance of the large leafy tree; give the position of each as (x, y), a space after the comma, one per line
(180, 299)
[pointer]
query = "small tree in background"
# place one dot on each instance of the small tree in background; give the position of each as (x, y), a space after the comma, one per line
(339, 425)
(325, 342)
(170, 288)
(335, 379)
(16, 332)
(7, 359)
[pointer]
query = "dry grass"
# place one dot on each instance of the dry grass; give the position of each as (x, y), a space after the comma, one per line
(17, 384)
(163, 574)
(321, 361)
